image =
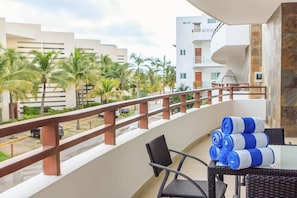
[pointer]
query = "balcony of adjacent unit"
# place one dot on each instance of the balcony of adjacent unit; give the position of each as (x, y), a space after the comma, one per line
(229, 42)
(203, 61)
(201, 34)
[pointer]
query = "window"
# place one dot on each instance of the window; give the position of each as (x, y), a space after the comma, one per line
(196, 27)
(183, 52)
(212, 21)
(214, 75)
(198, 52)
(183, 76)
(258, 76)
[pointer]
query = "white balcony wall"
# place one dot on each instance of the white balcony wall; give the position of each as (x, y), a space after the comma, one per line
(121, 170)
(4, 101)
(2, 32)
(230, 42)
(200, 36)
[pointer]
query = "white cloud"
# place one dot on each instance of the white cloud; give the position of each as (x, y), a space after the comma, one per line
(143, 27)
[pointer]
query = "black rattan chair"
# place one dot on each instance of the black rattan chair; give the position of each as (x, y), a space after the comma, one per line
(276, 136)
(181, 185)
(264, 186)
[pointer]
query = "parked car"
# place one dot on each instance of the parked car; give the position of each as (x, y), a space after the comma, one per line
(117, 114)
(124, 110)
(36, 132)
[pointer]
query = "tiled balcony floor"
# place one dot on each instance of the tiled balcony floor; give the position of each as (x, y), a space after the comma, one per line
(195, 170)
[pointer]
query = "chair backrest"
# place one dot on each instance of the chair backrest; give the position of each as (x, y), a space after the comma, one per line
(158, 153)
(271, 186)
(276, 135)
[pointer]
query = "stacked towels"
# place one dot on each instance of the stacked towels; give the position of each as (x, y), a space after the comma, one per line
(241, 143)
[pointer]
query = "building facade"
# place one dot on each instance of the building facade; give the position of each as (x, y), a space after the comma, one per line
(271, 55)
(28, 37)
(194, 67)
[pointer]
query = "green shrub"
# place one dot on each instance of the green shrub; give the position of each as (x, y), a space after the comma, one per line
(31, 110)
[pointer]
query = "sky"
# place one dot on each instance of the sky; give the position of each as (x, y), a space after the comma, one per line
(144, 27)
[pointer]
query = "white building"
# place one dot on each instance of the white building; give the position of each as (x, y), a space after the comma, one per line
(194, 67)
(230, 46)
(28, 37)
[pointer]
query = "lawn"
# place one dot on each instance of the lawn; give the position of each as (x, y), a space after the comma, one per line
(3, 156)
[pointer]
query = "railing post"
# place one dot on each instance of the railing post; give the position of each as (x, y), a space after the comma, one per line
(183, 106)
(50, 137)
(231, 93)
(220, 95)
(197, 99)
(143, 122)
(110, 135)
(209, 97)
(166, 106)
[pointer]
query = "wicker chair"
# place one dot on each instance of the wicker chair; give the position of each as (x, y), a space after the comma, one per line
(276, 136)
(181, 185)
(268, 186)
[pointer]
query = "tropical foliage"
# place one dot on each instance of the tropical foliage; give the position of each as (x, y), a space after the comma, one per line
(92, 76)
(15, 77)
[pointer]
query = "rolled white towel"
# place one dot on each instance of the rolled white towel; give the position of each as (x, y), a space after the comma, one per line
(240, 159)
(234, 124)
(245, 141)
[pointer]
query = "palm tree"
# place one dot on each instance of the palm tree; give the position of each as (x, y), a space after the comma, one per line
(105, 64)
(45, 65)
(82, 70)
(153, 79)
(106, 88)
(170, 77)
(138, 62)
(163, 64)
(15, 77)
(121, 72)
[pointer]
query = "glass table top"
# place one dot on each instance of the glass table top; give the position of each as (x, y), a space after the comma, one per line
(285, 157)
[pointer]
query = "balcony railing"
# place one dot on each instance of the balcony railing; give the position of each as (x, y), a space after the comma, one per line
(49, 153)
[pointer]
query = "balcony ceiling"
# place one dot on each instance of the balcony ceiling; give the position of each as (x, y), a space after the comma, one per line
(235, 53)
(234, 12)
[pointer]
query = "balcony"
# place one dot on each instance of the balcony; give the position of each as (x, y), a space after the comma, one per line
(202, 34)
(229, 43)
(241, 12)
(119, 166)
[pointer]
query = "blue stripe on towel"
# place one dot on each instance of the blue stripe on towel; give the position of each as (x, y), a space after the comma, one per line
(250, 140)
(249, 125)
(257, 158)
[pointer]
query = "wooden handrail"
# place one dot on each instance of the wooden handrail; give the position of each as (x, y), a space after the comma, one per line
(52, 146)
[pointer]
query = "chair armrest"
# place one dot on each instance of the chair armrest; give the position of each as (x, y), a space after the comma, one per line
(170, 170)
(187, 155)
